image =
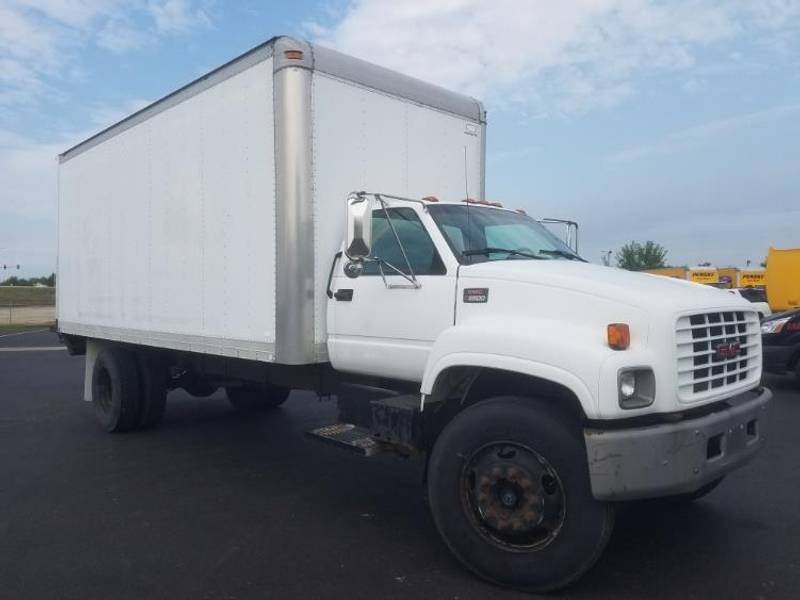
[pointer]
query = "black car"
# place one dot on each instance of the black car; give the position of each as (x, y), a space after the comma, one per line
(780, 335)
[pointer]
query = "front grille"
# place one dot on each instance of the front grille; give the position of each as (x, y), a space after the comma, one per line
(706, 367)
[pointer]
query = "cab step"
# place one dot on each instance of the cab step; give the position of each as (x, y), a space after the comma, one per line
(347, 437)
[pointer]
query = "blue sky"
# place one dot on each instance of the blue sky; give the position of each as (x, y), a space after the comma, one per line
(672, 121)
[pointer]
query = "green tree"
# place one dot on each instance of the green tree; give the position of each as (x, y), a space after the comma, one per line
(50, 281)
(637, 257)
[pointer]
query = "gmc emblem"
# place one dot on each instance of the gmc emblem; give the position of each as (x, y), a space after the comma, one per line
(727, 350)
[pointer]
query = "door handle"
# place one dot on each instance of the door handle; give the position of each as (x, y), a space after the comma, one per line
(343, 295)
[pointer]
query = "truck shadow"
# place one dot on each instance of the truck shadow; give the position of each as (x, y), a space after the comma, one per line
(277, 486)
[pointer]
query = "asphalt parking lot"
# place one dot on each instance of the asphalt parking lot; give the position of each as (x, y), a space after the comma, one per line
(219, 504)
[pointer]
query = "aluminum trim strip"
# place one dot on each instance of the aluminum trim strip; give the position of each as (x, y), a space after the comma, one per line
(219, 346)
(294, 217)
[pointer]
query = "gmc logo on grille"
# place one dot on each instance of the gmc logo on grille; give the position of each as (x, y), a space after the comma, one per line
(727, 350)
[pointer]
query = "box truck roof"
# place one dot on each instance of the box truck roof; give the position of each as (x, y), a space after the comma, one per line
(289, 52)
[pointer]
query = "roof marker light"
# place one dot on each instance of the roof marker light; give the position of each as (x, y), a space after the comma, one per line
(293, 54)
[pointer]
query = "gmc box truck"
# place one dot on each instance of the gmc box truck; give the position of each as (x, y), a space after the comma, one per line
(300, 219)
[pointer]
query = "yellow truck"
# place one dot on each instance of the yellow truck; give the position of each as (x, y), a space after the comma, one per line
(675, 272)
(706, 275)
(733, 277)
(752, 278)
(783, 279)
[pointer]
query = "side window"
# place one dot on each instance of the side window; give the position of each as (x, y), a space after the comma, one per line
(416, 242)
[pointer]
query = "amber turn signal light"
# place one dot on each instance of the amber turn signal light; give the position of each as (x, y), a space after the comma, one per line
(619, 336)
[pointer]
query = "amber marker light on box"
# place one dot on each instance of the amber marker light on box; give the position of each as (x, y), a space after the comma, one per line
(619, 336)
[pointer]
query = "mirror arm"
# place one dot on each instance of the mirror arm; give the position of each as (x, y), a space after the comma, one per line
(414, 283)
(413, 278)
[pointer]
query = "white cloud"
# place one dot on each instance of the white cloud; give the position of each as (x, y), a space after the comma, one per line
(28, 167)
(177, 16)
(119, 35)
(693, 136)
(28, 173)
(39, 39)
(539, 56)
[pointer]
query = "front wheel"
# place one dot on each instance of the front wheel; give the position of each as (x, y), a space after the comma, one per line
(509, 492)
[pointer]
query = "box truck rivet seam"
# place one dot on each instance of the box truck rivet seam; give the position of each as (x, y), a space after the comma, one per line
(465, 332)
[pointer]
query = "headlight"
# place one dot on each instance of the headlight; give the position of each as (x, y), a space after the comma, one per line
(636, 387)
(774, 326)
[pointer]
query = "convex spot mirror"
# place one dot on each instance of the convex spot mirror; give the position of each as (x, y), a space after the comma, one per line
(358, 243)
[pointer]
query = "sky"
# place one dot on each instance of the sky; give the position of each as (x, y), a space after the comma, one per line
(676, 121)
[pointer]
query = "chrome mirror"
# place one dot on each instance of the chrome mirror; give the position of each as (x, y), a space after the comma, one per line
(358, 243)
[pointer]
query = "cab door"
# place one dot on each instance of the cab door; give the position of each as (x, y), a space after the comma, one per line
(382, 323)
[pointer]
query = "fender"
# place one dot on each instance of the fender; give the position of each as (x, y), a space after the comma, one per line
(558, 351)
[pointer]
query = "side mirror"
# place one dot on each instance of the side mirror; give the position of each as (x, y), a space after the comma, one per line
(358, 243)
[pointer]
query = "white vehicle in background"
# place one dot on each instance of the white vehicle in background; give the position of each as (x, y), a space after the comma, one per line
(219, 239)
(755, 296)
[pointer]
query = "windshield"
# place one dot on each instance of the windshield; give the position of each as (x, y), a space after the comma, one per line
(477, 234)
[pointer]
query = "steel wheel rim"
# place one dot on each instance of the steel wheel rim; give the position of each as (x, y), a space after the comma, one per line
(513, 496)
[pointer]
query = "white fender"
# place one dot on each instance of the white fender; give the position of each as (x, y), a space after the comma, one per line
(560, 352)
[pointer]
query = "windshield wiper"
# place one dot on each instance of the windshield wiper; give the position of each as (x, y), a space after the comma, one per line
(509, 251)
(563, 253)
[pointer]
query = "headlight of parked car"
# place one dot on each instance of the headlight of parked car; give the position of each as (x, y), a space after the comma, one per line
(774, 326)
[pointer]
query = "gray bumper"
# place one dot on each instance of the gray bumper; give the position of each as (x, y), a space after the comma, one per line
(675, 458)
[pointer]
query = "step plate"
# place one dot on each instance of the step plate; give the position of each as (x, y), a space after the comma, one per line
(348, 437)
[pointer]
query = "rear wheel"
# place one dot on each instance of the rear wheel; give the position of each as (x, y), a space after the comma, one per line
(115, 390)
(153, 383)
(248, 397)
(509, 492)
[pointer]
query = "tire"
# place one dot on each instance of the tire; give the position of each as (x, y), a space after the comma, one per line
(256, 396)
(481, 444)
(697, 494)
(198, 387)
(153, 388)
(115, 390)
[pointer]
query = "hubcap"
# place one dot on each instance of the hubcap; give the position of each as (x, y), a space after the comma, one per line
(514, 496)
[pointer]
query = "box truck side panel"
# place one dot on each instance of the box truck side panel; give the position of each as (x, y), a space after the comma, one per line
(369, 140)
(167, 228)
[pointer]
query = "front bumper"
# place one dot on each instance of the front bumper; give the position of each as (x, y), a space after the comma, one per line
(676, 458)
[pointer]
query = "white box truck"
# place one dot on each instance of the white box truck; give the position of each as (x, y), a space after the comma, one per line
(221, 238)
